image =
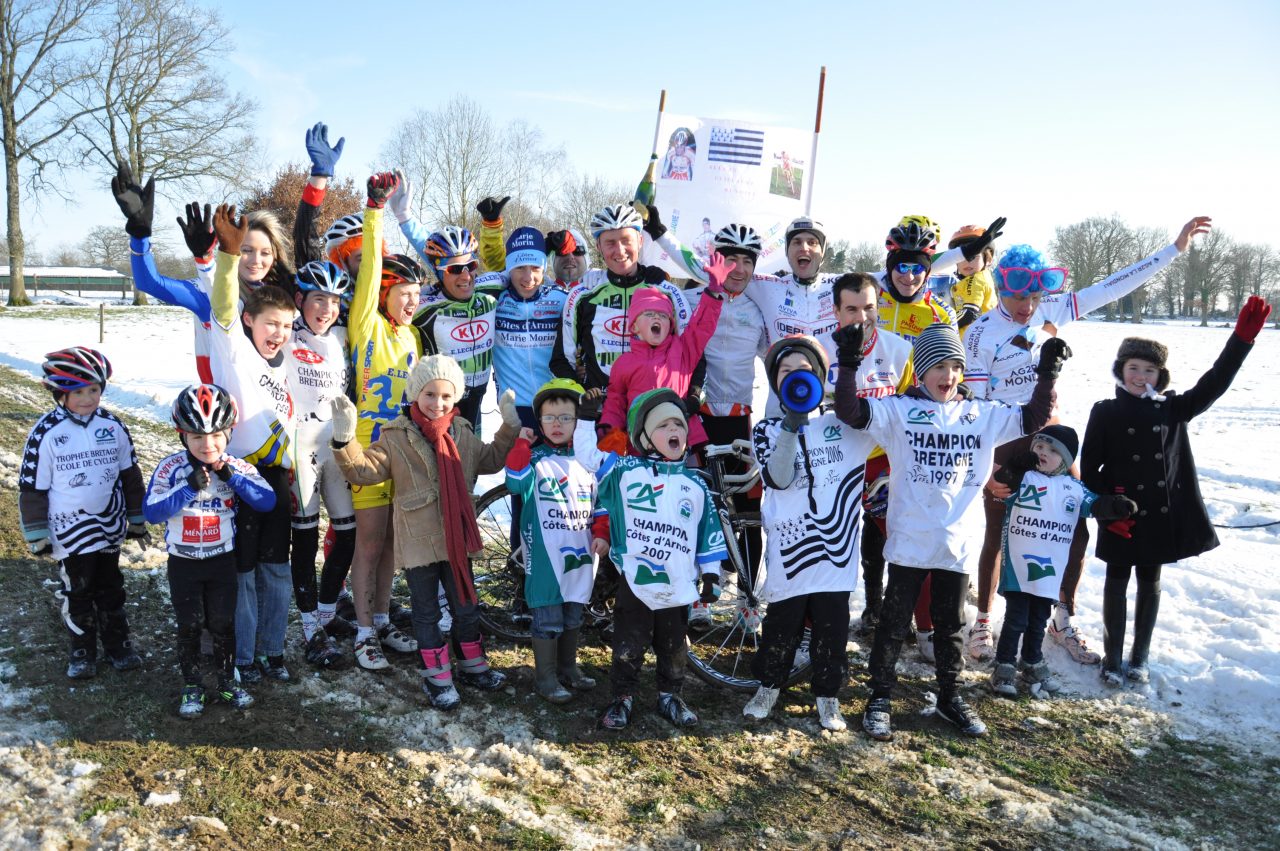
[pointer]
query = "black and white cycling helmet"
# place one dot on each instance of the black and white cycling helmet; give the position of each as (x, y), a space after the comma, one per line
(324, 276)
(204, 409)
(806, 224)
(68, 370)
(344, 228)
(615, 217)
(912, 237)
(737, 239)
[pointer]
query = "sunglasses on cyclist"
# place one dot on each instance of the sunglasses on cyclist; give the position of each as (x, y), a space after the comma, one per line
(459, 268)
(1017, 281)
(563, 419)
(580, 251)
(910, 268)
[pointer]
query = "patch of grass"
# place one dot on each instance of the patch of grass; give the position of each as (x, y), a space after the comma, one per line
(529, 839)
(106, 805)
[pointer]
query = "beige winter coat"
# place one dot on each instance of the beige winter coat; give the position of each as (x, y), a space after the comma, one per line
(403, 455)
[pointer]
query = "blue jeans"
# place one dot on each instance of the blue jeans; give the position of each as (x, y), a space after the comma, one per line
(550, 621)
(262, 610)
(424, 596)
(1025, 617)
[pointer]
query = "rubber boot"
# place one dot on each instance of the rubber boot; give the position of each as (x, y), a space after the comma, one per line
(567, 662)
(544, 672)
(437, 678)
(1145, 610)
(1114, 614)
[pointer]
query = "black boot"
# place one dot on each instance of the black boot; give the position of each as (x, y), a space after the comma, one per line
(119, 650)
(1145, 610)
(1114, 614)
(567, 662)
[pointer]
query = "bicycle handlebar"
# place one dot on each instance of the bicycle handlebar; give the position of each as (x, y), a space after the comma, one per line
(740, 450)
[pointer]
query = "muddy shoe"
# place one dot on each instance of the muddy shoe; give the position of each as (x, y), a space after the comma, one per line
(230, 692)
(369, 655)
(340, 627)
(392, 638)
(1042, 681)
(191, 705)
(877, 719)
(124, 657)
(322, 650)
(829, 714)
(675, 710)
(1004, 680)
(618, 715)
(955, 711)
(272, 667)
(81, 666)
(761, 703)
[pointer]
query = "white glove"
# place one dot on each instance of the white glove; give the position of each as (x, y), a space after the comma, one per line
(507, 405)
(344, 420)
(402, 199)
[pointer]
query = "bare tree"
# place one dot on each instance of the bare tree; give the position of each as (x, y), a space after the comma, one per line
(1145, 241)
(106, 245)
(836, 257)
(1092, 250)
(580, 199)
(1208, 270)
(1254, 268)
(41, 61)
(165, 111)
(866, 257)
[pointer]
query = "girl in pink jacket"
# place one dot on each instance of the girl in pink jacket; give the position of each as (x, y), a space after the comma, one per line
(659, 357)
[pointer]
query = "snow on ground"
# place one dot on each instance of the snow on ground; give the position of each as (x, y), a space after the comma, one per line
(1212, 667)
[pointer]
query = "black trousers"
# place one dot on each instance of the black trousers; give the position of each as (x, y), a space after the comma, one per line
(337, 564)
(636, 628)
(784, 622)
(947, 611)
(203, 592)
(93, 601)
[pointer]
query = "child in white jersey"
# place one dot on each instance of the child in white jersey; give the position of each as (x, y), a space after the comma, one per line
(195, 493)
(940, 444)
(1041, 516)
(80, 496)
(555, 520)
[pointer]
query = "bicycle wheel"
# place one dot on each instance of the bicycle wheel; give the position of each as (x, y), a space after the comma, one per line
(722, 651)
(499, 572)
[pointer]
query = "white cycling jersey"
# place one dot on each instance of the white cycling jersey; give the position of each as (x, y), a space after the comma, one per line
(738, 340)
(319, 372)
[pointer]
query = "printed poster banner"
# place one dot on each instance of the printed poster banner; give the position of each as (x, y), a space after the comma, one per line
(714, 171)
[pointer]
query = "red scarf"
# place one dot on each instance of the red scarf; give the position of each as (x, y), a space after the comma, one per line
(461, 534)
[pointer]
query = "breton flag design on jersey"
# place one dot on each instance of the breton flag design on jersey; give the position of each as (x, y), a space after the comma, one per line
(736, 145)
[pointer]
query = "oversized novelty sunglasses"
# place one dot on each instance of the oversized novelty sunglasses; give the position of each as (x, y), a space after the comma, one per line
(910, 268)
(1016, 281)
(459, 268)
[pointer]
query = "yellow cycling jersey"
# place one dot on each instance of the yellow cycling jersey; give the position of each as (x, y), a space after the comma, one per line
(383, 352)
(977, 291)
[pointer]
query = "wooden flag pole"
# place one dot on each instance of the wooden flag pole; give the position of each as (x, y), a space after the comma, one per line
(657, 127)
(817, 128)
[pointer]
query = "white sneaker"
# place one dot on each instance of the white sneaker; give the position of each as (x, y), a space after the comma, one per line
(393, 639)
(801, 659)
(829, 714)
(761, 703)
(980, 646)
(1073, 642)
(924, 643)
(369, 655)
(700, 615)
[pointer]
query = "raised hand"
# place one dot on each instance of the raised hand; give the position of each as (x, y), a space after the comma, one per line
(323, 157)
(848, 342)
(136, 202)
(974, 248)
(490, 210)
(561, 242)
(380, 187)
(717, 270)
(1252, 318)
(1053, 354)
(197, 230)
(653, 222)
(507, 407)
(1200, 224)
(229, 228)
(344, 421)
(401, 199)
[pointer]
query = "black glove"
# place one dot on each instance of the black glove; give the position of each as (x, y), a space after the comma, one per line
(591, 406)
(1053, 354)
(848, 342)
(197, 230)
(793, 420)
(199, 476)
(556, 241)
(1013, 470)
(225, 472)
(490, 209)
(1113, 507)
(965, 318)
(136, 202)
(137, 532)
(973, 248)
(653, 224)
(710, 588)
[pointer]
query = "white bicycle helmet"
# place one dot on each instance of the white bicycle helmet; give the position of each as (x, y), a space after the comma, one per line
(737, 239)
(344, 228)
(615, 217)
(806, 224)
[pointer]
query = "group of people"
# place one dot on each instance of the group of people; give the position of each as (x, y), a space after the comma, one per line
(354, 378)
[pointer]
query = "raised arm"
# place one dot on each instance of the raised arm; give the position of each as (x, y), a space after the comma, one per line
(493, 252)
(230, 230)
(1215, 382)
(1039, 408)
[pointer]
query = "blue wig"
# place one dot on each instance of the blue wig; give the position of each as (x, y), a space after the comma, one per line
(1021, 257)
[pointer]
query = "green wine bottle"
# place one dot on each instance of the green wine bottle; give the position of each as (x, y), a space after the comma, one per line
(647, 192)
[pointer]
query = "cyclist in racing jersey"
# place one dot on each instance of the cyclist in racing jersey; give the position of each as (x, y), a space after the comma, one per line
(568, 250)
(1001, 350)
(593, 334)
(384, 348)
(318, 370)
(454, 319)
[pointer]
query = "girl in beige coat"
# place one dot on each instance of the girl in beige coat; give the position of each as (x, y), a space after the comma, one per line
(433, 456)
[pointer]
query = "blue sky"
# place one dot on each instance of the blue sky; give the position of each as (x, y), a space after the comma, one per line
(1045, 113)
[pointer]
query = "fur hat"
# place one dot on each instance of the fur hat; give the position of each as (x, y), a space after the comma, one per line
(433, 367)
(1064, 441)
(1143, 349)
(796, 344)
(936, 343)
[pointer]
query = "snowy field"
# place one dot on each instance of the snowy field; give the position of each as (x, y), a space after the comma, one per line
(1214, 669)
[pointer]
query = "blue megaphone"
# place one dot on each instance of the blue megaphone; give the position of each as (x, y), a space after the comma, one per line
(801, 391)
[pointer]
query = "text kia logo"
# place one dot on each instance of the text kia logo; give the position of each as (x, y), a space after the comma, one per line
(469, 332)
(617, 326)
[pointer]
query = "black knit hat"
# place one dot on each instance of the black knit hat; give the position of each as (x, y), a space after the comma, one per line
(807, 346)
(1063, 439)
(1141, 348)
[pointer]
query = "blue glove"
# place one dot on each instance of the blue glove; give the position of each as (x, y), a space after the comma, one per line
(323, 158)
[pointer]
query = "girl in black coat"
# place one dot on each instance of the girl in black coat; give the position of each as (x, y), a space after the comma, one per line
(1136, 444)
